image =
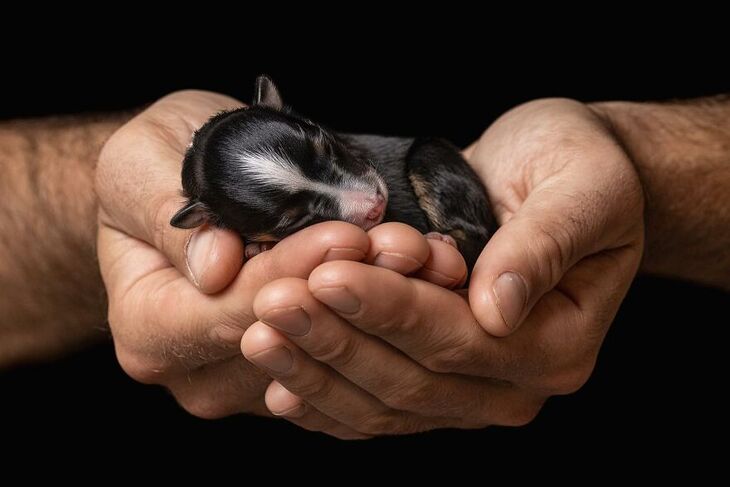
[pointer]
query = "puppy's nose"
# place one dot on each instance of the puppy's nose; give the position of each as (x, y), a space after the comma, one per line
(376, 211)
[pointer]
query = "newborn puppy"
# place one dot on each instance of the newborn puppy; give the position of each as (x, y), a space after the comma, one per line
(266, 172)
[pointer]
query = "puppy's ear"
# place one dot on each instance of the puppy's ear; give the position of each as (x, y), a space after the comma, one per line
(191, 215)
(267, 94)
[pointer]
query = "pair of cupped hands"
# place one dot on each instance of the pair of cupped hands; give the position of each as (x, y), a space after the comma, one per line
(357, 333)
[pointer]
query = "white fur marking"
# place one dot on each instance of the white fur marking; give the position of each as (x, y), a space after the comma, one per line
(269, 168)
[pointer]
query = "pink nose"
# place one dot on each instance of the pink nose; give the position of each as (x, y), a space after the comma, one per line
(378, 207)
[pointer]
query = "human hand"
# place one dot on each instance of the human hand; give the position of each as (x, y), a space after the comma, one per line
(391, 354)
(178, 305)
(176, 318)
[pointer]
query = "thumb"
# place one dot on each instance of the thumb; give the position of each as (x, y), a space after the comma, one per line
(208, 256)
(529, 255)
(138, 187)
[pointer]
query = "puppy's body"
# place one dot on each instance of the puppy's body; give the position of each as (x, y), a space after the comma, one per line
(266, 172)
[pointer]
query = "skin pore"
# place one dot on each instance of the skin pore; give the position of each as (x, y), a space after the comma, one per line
(55, 299)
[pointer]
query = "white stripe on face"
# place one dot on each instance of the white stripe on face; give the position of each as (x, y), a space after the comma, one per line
(271, 169)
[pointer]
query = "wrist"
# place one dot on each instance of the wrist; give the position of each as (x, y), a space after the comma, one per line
(616, 116)
(680, 153)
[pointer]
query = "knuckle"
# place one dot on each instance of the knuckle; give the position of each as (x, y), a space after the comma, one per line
(143, 368)
(456, 357)
(570, 380)
(338, 354)
(117, 316)
(475, 423)
(107, 158)
(414, 398)
(158, 220)
(205, 407)
(522, 416)
(381, 425)
(443, 361)
(386, 319)
(181, 95)
(595, 323)
(399, 323)
(396, 423)
(315, 390)
(557, 244)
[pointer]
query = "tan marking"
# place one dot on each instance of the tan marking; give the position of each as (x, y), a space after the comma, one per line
(262, 237)
(458, 235)
(423, 192)
(318, 143)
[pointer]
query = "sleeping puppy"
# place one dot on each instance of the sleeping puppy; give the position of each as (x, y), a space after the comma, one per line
(266, 172)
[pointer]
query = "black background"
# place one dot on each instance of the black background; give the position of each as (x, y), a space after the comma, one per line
(659, 382)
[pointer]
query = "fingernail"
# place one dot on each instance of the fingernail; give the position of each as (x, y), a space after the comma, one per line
(277, 359)
(295, 412)
(293, 320)
(339, 299)
(199, 253)
(343, 254)
(511, 294)
(398, 262)
(442, 237)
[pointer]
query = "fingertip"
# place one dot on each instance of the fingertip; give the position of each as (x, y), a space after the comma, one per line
(260, 337)
(502, 287)
(281, 402)
(337, 234)
(329, 274)
(398, 247)
(323, 242)
(444, 267)
(281, 293)
(484, 307)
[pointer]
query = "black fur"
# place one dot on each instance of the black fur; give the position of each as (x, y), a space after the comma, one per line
(456, 192)
(217, 193)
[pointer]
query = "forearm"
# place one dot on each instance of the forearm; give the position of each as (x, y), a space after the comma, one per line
(682, 154)
(51, 294)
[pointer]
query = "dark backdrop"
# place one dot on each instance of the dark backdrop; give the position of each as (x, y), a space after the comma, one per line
(659, 379)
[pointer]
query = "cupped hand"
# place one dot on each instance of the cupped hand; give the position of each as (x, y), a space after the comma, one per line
(381, 353)
(180, 301)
